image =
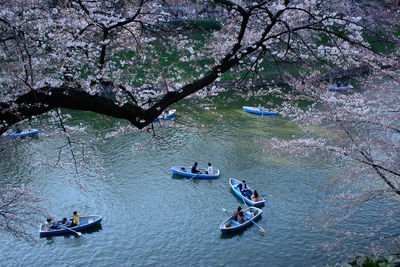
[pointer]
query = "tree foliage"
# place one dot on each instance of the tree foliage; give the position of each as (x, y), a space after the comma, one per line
(109, 56)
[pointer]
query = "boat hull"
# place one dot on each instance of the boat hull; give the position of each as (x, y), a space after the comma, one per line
(85, 223)
(186, 171)
(234, 183)
(24, 133)
(339, 88)
(251, 214)
(256, 110)
(170, 114)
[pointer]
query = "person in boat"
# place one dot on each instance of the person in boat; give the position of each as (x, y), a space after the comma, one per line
(65, 222)
(240, 217)
(209, 169)
(244, 189)
(236, 213)
(346, 83)
(164, 114)
(195, 169)
(256, 196)
(260, 107)
(338, 84)
(75, 219)
(48, 224)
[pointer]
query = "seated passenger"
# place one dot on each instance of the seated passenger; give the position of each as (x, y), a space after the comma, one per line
(75, 219)
(246, 192)
(256, 196)
(195, 169)
(209, 169)
(66, 223)
(48, 224)
(240, 217)
(163, 114)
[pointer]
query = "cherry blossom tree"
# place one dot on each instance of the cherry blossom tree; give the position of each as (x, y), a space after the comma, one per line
(88, 55)
(20, 208)
(358, 131)
(121, 59)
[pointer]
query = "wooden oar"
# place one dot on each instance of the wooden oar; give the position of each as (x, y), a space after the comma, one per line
(78, 233)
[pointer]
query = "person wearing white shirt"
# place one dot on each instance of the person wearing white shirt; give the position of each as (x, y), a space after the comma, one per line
(210, 169)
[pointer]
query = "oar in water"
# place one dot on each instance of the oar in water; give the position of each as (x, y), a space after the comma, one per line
(261, 229)
(192, 177)
(263, 194)
(224, 210)
(77, 233)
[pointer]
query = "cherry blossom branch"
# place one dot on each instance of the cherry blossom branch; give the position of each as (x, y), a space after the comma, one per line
(20, 209)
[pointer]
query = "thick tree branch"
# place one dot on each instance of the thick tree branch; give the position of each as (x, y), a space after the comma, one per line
(47, 98)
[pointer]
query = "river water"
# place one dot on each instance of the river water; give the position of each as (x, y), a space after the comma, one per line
(154, 218)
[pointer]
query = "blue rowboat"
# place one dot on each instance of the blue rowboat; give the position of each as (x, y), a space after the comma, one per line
(334, 87)
(59, 229)
(250, 214)
(23, 133)
(187, 172)
(166, 115)
(259, 111)
(234, 185)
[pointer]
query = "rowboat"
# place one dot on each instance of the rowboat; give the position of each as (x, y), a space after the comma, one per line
(187, 172)
(234, 185)
(60, 229)
(166, 115)
(259, 111)
(250, 214)
(334, 87)
(23, 133)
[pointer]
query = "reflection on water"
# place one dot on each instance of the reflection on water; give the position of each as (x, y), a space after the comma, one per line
(151, 217)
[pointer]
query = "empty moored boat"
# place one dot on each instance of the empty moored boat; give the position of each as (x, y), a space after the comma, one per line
(23, 133)
(259, 111)
(335, 87)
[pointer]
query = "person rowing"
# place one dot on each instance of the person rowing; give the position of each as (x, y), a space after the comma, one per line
(195, 168)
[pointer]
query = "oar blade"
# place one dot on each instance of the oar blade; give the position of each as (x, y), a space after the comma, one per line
(73, 231)
(191, 178)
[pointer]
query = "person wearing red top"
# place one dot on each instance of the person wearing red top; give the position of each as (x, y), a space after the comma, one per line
(236, 213)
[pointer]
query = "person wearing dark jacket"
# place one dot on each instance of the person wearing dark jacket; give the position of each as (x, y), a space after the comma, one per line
(246, 192)
(195, 169)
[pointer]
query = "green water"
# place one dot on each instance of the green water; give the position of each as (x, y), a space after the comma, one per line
(154, 218)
